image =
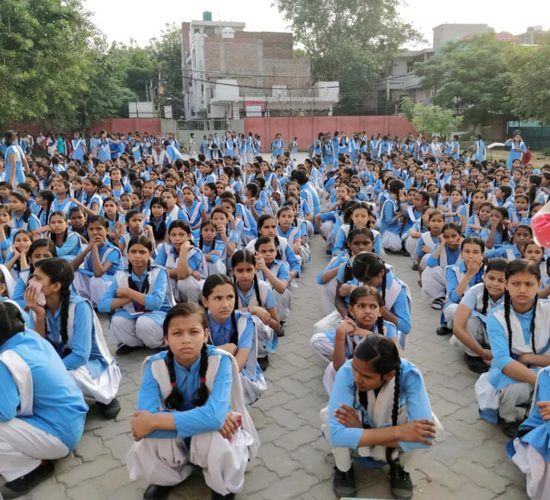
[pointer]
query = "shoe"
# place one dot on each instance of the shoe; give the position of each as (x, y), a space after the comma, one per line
(415, 266)
(510, 429)
(264, 363)
(400, 483)
(156, 492)
(27, 482)
(343, 483)
(438, 303)
(123, 349)
(281, 332)
(443, 330)
(110, 410)
(405, 253)
(217, 496)
(476, 364)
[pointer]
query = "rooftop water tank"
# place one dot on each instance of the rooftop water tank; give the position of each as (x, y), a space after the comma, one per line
(207, 16)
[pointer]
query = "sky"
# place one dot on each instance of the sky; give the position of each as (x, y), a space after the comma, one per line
(122, 20)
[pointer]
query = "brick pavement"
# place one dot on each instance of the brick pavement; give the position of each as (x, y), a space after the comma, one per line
(294, 460)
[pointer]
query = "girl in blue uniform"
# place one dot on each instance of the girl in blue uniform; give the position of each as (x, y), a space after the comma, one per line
(69, 323)
(138, 299)
(97, 264)
(256, 297)
(42, 411)
(68, 244)
(190, 412)
(193, 207)
(470, 317)
(21, 214)
(392, 217)
(519, 337)
(530, 451)
(365, 318)
(378, 408)
(446, 253)
(15, 173)
(184, 262)
(214, 249)
(234, 332)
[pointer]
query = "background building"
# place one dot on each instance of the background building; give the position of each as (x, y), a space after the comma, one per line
(230, 73)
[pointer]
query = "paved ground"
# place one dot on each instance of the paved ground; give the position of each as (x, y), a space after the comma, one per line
(294, 461)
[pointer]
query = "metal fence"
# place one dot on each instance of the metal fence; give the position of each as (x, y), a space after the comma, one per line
(535, 135)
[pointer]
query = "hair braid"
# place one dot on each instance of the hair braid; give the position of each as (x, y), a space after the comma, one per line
(202, 391)
(257, 291)
(394, 415)
(235, 330)
(507, 306)
(532, 332)
(384, 287)
(485, 300)
(236, 292)
(380, 325)
(175, 398)
(65, 296)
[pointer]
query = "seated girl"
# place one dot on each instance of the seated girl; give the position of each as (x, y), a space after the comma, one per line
(469, 319)
(233, 331)
(365, 318)
(461, 277)
(520, 340)
(513, 250)
(378, 408)
(214, 249)
(42, 411)
(359, 217)
(39, 249)
(256, 297)
(184, 262)
(190, 413)
(359, 240)
(16, 260)
(274, 271)
(530, 451)
(96, 266)
(67, 244)
(70, 324)
(445, 253)
(138, 299)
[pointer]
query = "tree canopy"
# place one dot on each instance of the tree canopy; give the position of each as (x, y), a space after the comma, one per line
(350, 41)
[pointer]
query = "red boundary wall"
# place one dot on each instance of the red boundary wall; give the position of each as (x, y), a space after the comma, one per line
(125, 125)
(306, 128)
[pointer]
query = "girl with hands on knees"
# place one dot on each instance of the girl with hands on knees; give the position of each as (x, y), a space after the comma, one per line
(378, 408)
(190, 412)
(138, 299)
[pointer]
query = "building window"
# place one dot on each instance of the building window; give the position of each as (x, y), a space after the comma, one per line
(410, 66)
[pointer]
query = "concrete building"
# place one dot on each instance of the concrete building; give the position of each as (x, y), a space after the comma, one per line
(230, 73)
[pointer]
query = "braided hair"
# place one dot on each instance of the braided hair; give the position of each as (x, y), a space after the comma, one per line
(245, 256)
(367, 265)
(516, 267)
(493, 265)
(383, 357)
(174, 400)
(60, 271)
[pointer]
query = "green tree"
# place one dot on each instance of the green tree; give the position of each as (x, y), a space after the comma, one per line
(472, 74)
(106, 94)
(166, 52)
(529, 83)
(432, 120)
(350, 41)
(43, 55)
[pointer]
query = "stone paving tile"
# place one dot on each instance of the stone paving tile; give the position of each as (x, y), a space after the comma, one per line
(295, 460)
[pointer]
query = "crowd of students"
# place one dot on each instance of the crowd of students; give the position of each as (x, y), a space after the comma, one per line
(198, 260)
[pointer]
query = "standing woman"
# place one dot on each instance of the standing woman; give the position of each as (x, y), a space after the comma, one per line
(480, 151)
(139, 299)
(15, 174)
(69, 323)
(42, 410)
